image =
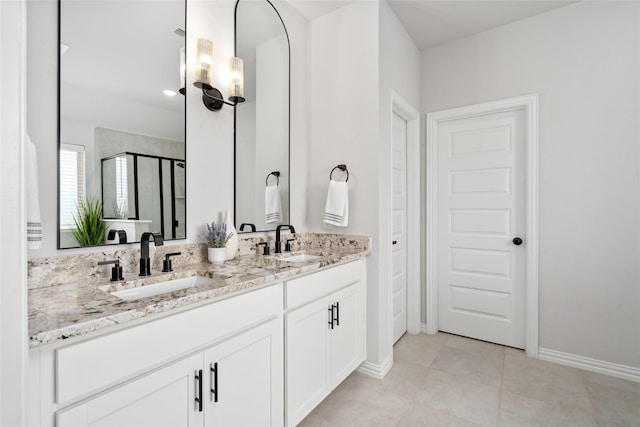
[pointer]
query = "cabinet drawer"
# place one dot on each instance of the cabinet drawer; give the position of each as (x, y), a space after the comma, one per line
(97, 363)
(316, 285)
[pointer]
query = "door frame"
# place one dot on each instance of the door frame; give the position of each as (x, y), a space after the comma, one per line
(404, 110)
(528, 103)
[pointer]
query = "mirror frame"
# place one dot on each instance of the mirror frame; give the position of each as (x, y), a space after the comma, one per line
(235, 112)
(59, 142)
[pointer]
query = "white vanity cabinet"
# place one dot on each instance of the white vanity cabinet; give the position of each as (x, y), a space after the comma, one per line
(202, 367)
(325, 334)
(211, 388)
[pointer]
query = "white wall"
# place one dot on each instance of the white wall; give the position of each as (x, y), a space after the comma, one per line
(583, 60)
(209, 134)
(354, 50)
(400, 73)
(343, 116)
(13, 253)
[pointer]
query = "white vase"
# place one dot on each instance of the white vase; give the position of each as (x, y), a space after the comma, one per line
(232, 243)
(216, 255)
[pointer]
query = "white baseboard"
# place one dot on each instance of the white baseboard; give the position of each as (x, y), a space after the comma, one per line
(374, 370)
(600, 366)
(423, 327)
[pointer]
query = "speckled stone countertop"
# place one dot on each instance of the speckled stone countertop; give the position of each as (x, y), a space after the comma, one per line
(80, 306)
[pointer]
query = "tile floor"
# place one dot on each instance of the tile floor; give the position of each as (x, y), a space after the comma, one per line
(447, 380)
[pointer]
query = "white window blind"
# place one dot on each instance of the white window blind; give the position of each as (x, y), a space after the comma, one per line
(72, 184)
(122, 198)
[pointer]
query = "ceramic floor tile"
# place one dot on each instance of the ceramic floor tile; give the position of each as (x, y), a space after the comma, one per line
(462, 389)
(539, 381)
(404, 378)
(420, 349)
(314, 420)
(481, 367)
(614, 405)
(629, 386)
(382, 409)
(465, 399)
(475, 346)
(422, 415)
(517, 410)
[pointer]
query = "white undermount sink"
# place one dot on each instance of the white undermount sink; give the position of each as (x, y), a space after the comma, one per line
(301, 258)
(161, 288)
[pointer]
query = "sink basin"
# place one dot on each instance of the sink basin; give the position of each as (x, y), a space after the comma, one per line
(301, 258)
(162, 288)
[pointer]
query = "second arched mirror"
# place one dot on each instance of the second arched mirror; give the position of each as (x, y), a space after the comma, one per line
(262, 121)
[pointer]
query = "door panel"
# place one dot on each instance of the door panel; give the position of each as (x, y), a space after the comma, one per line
(307, 359)
(481, 198)
(347, 334)
(399, 228)
(247, 375)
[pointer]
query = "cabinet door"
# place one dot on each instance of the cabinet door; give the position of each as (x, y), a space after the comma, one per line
(162, 398)
(246, 379)
(347, 336)
(307, 362)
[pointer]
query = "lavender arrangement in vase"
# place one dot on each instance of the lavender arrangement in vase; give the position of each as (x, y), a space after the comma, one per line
(216, 237)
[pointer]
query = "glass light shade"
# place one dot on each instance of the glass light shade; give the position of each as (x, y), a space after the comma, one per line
(236, 87)
(183, 70)
(204, 54)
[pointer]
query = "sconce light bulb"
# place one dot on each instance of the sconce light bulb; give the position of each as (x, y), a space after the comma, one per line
(183, 70)
(236, 87)
(204, 53)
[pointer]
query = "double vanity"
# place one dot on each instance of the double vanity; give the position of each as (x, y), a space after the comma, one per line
(258, 340)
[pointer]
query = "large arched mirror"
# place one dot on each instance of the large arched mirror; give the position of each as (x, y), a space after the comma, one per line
(121, 120)
(262, 121)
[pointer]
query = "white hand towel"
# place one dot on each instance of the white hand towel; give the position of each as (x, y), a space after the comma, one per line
(336, 210)
(34, 221)
(272, 204)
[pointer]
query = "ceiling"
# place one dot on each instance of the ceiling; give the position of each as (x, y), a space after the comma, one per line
(430, 23)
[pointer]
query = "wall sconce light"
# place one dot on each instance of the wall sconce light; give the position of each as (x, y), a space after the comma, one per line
(183, 70)
(212, 97)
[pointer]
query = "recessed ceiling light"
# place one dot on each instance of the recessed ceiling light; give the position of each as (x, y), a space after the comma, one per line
(169, 92)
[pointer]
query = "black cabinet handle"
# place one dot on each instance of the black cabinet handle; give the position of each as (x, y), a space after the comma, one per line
(395, 242)
(331, 316)
(199, 398)
(337, 311)
(517, 241)
(214, 390)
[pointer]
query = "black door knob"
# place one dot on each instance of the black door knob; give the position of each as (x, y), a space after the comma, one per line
(517, 241)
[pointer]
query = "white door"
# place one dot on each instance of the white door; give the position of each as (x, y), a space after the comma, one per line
(308, 364)
(245, 379)
(399, 231)
(481, 210)
(347, 335)
(163, 398)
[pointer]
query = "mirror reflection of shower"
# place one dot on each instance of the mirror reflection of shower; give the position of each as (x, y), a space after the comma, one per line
(141, 193)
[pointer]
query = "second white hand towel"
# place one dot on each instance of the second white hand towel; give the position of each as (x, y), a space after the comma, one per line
(272, 204)
(34, 222)
(336, 210)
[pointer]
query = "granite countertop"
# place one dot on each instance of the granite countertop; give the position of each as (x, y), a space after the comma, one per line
(77, 308)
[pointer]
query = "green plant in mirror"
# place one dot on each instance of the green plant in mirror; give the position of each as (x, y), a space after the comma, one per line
(90, 228)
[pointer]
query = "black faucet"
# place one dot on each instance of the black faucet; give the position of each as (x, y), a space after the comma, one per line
(278, 242)
(145, 262)
(122, 235)
(248, 224)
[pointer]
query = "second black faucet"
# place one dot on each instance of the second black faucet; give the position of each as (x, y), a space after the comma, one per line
(145, 262)
(278, 242)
